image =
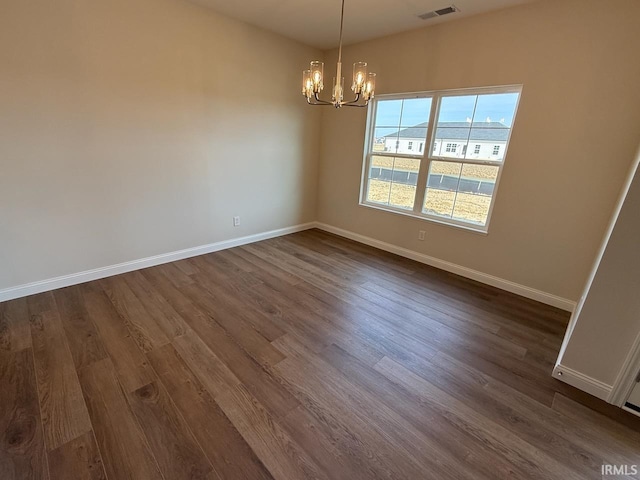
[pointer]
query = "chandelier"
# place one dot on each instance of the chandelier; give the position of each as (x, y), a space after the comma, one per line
(363, 85)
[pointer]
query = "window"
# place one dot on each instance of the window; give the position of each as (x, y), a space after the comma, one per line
(453, 184)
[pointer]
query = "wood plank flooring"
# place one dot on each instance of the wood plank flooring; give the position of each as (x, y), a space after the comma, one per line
(301, 357)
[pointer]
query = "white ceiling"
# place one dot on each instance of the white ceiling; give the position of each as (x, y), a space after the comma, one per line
(317, 22)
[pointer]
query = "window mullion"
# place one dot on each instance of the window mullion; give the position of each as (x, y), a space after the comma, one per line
(423, 173)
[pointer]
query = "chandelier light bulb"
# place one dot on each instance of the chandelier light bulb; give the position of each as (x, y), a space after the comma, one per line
(370, 87)
(307, 83)
(359, 76)
(317, 74)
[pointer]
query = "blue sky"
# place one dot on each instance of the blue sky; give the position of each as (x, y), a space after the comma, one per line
(392, 114)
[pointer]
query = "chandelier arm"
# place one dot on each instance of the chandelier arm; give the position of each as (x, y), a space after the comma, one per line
(317, 101)
(317, 97)
(351, 104)
(354, 103)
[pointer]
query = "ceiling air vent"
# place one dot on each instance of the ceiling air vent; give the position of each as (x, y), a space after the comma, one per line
(439, 13)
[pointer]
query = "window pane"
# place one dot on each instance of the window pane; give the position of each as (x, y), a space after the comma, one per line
(415, 111)
(457, 108)
(388, 113)
(496, 107)
(442, 185)
(479, 179)
(405, 171)
(439, 202)
(393, 181)
(444, 175)
(378, 191)
(472, 208)
(475, 126)
(402, 196)
(387, 124)
(454, 125)
(383, 141)
(381, 167)
(400, 125)
(477, 183)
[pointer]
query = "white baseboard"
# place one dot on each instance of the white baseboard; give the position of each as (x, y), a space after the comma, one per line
(583, 382)
(631, 410)
(102, 272)
(485, 278)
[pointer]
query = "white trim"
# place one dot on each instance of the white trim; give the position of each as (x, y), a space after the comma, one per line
(631, 410)
(447, 222)
(629, 370)
(582, 382)
(102, 272)
(626, 379)
(428, 157)
(485, 278)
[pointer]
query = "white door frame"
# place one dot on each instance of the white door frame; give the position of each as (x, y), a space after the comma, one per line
(628, 374)
(626, 379)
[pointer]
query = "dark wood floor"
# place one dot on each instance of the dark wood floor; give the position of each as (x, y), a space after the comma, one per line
(306, 356)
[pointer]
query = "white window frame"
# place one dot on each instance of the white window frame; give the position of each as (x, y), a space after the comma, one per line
(496, 150)
(476, 149)
(429, 155)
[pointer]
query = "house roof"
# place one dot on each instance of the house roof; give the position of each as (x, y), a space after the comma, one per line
(489, 131)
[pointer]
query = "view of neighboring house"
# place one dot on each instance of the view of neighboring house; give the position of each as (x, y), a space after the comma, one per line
(456, 140)
(480, 140)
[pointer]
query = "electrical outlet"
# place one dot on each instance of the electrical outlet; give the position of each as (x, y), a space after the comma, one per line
(421, 235)
(236, 221)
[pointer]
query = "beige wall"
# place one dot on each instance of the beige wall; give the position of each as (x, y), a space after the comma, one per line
(577, 129)
(130, 128)
(134, 128)
(608, 321)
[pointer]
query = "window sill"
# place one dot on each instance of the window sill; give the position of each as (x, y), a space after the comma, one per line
(428, 218)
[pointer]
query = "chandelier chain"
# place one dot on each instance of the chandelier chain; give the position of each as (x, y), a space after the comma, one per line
(341, 28)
